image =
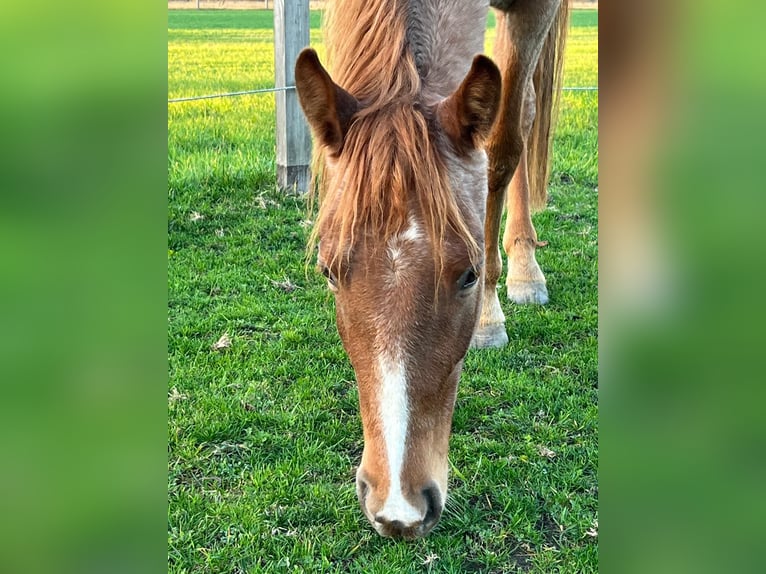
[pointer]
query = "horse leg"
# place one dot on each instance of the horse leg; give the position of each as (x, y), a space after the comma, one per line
(521, 32)
(525, 280)
(491, 329)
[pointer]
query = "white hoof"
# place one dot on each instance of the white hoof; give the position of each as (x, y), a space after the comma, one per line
(490, 332)
(527, 292)
(489, 336)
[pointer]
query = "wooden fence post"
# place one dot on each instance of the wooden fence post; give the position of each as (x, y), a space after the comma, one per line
(291, 35)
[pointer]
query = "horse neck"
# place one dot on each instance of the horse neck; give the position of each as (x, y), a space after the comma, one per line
(444, 36)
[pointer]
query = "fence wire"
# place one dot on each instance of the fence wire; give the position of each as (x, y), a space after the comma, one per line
(270, 90)
(230, 94)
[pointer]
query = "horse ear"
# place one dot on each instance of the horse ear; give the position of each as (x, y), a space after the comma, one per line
(469, 113)
(328, 107)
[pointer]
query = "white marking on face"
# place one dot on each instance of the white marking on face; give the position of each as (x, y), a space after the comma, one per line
(396, 245)
(394, 251)
(393, 402)
(394, 414)
(413, 232)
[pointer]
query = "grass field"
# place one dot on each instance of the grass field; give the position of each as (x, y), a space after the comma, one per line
(264, 435)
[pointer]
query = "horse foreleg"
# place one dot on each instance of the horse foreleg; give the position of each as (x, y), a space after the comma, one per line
(491, 329)
(525, 280)
(520, 35)
(504, 149)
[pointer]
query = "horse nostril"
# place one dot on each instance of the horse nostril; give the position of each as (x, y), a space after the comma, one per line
(394, 525)
(433, 505)
(394, 528)
(362, 489)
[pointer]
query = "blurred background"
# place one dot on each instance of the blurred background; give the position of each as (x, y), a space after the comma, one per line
(82, 287)
(680, 286)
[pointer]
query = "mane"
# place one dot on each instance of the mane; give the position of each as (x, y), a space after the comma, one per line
(367, 50)
(391, 158)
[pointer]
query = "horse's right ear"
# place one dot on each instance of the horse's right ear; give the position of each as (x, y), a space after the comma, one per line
(328, 107)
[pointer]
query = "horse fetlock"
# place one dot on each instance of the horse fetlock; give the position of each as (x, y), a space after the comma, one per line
(490, 331)
(525, 281)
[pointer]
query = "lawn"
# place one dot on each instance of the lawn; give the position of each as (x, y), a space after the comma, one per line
(264, 435)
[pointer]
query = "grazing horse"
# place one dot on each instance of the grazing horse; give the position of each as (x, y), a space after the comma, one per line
(417, 138)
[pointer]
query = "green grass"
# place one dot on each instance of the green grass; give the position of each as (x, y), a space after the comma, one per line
(264, 436)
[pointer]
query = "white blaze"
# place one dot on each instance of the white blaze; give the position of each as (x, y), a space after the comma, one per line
(394, 414)
(412, 233)
(398, 247)
(392, 400)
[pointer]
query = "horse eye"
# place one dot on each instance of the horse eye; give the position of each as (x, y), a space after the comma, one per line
(468, 279)
(330, 277)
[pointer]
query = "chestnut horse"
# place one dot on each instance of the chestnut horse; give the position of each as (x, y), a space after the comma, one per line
(417, 138)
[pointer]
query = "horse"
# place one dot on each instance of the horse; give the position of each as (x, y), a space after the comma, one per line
(417, 137)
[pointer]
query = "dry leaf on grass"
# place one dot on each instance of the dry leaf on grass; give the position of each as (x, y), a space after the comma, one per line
(222, 343)
(226, 447)
(287, 286)
(545, 451)
(264, 203)
(196, 216)
(176, 396)
(593, 530)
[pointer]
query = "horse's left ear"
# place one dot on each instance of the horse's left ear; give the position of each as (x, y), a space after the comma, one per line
(328, 107)
(468, 114)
